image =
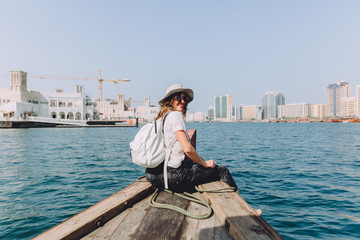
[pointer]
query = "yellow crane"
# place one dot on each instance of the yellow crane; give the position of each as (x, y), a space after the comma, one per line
(100, 79)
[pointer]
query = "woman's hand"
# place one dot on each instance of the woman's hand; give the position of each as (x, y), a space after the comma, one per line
(210, 163)
(191, 152)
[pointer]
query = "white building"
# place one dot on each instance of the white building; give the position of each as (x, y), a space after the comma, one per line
(147, 112)
(61, 105)
(199, 116)
(17, 102)
(234, 113)
(296, 110)
(196, 117)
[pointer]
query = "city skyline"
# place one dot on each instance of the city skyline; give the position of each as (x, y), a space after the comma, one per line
(147, 99)
(17, 102)
(349, 94)
(339, 103)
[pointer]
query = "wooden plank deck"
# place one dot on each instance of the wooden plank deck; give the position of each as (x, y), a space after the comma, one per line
(100, 213)
(236, 215)
(128, 215)
(145, 222)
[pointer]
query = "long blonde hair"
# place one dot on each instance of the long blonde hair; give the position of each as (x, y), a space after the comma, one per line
(167, 107)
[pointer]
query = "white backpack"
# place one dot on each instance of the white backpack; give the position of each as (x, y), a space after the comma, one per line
(148, 147)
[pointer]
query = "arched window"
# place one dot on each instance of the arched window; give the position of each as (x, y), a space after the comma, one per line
(78, 116)
(70, 115)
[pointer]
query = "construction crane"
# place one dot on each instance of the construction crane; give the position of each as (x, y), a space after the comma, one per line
(100, 79)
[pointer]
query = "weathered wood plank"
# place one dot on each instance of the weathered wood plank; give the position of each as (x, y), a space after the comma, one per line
(128, 227)
(163, 223)
(122, 226)
(95, 216)
(242, 221)
(106, 231)
(190, 227)
(205, 229)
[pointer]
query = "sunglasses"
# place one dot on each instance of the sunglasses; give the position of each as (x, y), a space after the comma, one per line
(184, 98)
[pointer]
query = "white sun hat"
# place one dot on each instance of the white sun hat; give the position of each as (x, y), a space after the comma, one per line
(177, 88)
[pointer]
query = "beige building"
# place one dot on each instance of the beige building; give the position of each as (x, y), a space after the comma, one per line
(250, 112)
(318, 111)
(296, 110)
(348, 107)
(115, 109)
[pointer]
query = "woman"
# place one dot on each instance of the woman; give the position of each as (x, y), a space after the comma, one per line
(182, 173)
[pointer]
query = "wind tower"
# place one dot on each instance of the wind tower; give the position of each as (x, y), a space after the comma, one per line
(18, 86)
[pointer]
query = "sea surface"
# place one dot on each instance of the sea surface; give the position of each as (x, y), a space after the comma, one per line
(304, 176)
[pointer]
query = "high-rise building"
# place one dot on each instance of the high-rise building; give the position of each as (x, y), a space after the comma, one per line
(270, 102)
(222, 107)
(240, 112)
(211, 113)
(234, 113)
(334, 93)
(357, 103)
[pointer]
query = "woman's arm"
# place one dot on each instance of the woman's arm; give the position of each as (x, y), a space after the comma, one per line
(190, 150)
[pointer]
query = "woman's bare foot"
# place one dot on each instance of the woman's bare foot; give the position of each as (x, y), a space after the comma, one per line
(258, 211)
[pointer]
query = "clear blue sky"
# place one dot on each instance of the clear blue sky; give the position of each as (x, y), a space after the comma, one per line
(243, 48)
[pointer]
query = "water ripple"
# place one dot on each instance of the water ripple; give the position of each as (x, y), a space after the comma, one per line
(303, 176)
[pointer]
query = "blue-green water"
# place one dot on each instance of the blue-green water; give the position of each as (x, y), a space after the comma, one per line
(305, 176)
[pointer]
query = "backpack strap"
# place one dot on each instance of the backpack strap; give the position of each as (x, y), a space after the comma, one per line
(163, 122)
(167, 155)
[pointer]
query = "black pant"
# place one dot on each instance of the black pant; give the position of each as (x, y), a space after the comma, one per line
(188, 175)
